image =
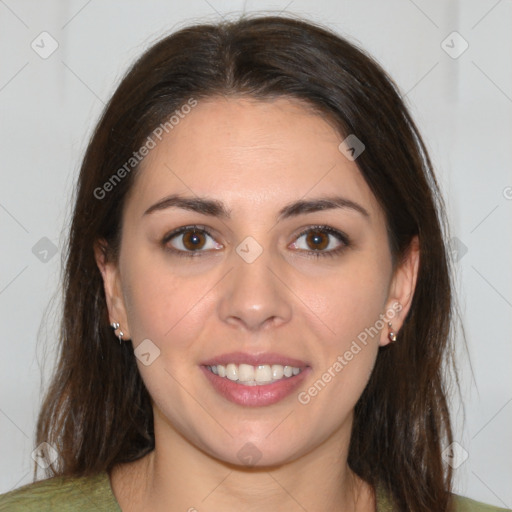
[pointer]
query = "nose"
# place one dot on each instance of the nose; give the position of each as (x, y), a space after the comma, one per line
(253, 297)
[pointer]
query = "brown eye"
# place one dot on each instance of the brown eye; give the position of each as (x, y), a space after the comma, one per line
(321, 241)
(190, 240)
(317, 240)
(193, 240)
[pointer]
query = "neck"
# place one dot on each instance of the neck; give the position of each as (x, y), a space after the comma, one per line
(177, 476)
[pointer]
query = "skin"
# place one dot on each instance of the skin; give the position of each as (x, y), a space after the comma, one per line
(255, 157)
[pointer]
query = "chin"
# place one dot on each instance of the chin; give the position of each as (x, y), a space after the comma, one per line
(257, 451)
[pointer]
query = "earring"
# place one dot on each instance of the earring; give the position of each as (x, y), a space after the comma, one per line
(392, 334)
(115, 326)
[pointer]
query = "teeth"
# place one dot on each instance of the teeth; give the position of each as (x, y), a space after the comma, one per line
(263, 373)
(232, 371)
(277, 371)
(245, 372)
(249, 375)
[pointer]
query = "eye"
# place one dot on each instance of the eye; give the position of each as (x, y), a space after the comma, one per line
(190, 239)
(321, 241)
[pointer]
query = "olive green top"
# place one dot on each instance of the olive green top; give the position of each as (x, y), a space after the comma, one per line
(94, 494)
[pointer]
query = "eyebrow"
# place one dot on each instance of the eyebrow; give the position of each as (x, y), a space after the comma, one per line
(315, 205)
(201, 205)
(216, 208)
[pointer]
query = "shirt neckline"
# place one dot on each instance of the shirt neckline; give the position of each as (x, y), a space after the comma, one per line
(381, 497)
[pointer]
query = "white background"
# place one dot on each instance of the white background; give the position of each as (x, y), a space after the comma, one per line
(463, 106)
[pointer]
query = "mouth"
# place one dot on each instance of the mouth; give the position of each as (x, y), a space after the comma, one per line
(254, 380)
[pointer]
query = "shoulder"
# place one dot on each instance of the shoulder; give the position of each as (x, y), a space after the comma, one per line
(61, 494)
(461, 504)
(458, 503)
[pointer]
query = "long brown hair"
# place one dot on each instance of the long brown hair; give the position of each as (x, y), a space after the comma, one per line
(97, 412)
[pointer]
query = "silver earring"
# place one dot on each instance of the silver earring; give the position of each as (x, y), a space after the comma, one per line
(115, 326)
(392, 334)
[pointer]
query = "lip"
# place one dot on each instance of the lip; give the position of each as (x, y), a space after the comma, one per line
(255, 359)
(255, 396)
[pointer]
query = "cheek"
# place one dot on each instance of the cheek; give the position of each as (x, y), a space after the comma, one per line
(167, 305)
(172, 312)
(350, 299)
(159, 306)
(349, 305)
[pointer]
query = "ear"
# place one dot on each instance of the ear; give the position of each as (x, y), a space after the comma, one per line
(401, 291)
(112, 286)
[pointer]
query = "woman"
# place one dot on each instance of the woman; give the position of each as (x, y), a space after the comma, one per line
(257, 294)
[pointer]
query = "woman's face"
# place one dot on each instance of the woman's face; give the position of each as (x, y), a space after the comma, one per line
(231, 264)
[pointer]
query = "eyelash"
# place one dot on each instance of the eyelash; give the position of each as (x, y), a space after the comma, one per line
(342, 237)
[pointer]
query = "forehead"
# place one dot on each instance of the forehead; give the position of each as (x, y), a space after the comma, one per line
(250, 153)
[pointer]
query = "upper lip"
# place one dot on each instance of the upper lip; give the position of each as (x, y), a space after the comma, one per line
(254, 359)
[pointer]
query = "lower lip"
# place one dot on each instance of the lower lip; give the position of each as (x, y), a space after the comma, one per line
(255, 396)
